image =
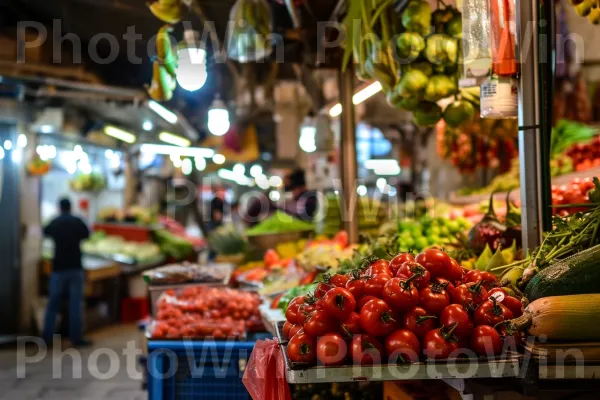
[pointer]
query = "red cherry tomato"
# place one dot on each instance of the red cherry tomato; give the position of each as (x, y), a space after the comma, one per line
(411, 268)
(339, 303)
(402, 346)
(497, 290)
(364, 301)
(398, 260)
(455, 314)
(485, 341)
(271, 258)
(351, 325)
(470, 295)
(302, 349)
(379, 267)
(435, 261)
(491, 312)
(434, 298)
(356, 285)
(338, 280)
(286, 328)
(295, 330)
(331, 349)
(472, 276)
(439, 343)
(514, 305)
(377, 318)
(341, 238)
(322, 288)
(419, 321)
(318, 324)
(455, 272)
(374, 286)
(291, 314)
(449, 286)
(401, 294)
(511, 339)
(366, 350)
(489, 280)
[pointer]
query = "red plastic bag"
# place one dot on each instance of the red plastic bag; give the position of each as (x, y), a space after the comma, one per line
(264, 377)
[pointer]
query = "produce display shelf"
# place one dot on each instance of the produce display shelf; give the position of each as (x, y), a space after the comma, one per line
(508, 367)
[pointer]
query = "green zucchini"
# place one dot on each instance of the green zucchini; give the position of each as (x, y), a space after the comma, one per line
(578, 274)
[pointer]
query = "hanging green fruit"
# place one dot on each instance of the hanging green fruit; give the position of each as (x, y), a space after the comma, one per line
(585, 8)
(423, 66)
(439, 87)
(417, 17)
(441, 49)
(594, 16)
(412, 83)
(458, 112)
(164, 50)
(410, 45)
(427, 114)
(454, 26)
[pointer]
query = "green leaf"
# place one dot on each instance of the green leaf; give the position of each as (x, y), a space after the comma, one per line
(484, 258)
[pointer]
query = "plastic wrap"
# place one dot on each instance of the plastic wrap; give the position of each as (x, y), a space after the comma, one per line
(188, 273)
(264, 377)
(248, 37)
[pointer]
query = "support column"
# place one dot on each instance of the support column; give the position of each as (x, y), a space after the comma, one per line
(529, 124)
(348, 154)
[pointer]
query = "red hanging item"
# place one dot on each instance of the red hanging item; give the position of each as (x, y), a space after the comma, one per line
(503, 45)
(264, 376)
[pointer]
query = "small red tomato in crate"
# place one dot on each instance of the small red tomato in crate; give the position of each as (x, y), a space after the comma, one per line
(434, 298)
(302, 348)
(398, 260)
(491, 312)
(436, 261)
(339, 303)
(378, 267)
(486, 341)
(419, 321)
(356, 285)
(377, 318)
(402, 346)
(366, 350)
(411, 268)
(332, 349)
(351, 325)
(455, 314)
(440, 343)
(402, 295)
(374, 285)
(319, 323)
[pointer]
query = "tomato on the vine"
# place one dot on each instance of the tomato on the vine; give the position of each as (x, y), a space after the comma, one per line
(379, 267)
(339, 280)
(332, 349)
(318, 324)
(419, 321)
(398, 260)
(491, 312)
(456, 314)
(366, 350)
(351, 325)
(434, 298)
(440, 343)
(302, 349)
(486, 341)
(356, 285)
(377, 318)
(402, 346)
(374, 285)
(291, 313)
(436, 261)
(339, 303)
(364, 300)
(411, 268)
(401, 294)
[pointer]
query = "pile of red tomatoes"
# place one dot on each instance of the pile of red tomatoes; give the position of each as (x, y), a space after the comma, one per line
(576, 192)
(401, 311)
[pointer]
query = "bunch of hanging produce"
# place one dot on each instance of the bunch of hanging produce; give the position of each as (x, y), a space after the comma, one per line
(168, 11)
(164, 66)
(414, 55)
(587, 8)
(248, 37)
(480, 143)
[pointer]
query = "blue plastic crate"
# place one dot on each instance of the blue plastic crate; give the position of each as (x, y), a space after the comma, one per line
(180, 370)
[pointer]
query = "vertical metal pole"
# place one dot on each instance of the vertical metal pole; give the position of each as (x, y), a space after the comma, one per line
(348, 154)
(529, 120)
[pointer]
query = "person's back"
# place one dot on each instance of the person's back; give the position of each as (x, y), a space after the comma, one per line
(67, 232)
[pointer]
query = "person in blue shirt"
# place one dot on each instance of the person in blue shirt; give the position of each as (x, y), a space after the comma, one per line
(67, 231)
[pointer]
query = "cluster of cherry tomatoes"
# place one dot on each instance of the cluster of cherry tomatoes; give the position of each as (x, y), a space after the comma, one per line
(202, 311)
(400, 311)
(576, 192)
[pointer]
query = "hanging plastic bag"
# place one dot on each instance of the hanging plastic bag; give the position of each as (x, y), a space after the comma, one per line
(264, 377)
(248, 36)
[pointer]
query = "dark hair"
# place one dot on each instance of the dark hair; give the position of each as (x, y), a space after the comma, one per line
(64, 205)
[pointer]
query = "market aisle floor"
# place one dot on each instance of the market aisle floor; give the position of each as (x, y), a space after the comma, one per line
(105, 372)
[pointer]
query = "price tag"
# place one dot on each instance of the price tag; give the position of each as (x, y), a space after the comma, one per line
(499, 296)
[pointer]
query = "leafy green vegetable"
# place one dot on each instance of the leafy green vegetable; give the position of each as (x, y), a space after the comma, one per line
(566, 133)
(280, 222)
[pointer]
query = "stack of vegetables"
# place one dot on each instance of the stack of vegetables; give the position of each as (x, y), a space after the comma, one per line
(100, 244)
(279, 222)
(401, 311)
(415, 57)
(420, 234)
(92, 182)
(370, 215)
